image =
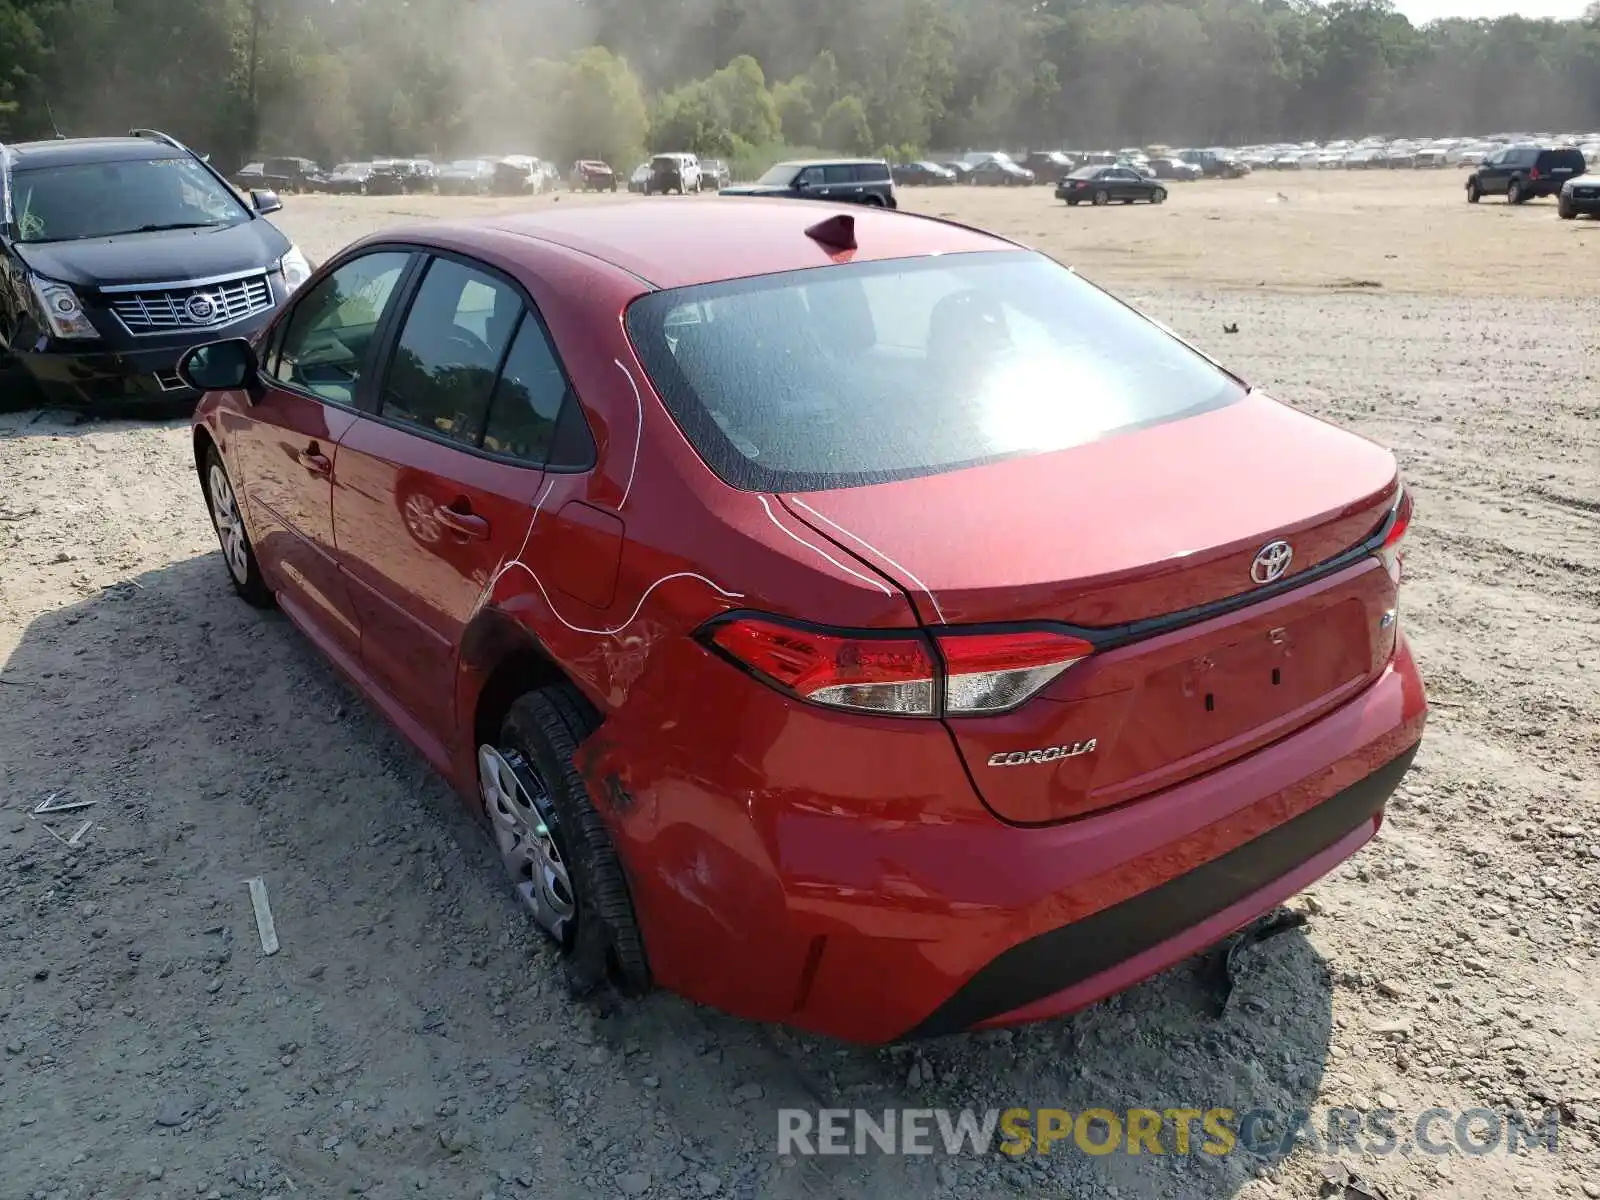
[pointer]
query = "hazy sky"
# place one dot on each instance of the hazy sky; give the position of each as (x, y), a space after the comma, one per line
(1422, 11)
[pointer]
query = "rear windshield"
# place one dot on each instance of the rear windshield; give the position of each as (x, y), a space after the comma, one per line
(863, 373)
(1556, 160)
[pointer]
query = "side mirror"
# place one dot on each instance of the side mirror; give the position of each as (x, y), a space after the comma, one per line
(219, 366)
(802, 185)
(265, 202)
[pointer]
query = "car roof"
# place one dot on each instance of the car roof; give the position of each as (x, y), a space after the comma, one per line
(680, 245)
(829, 162)
(72, 151)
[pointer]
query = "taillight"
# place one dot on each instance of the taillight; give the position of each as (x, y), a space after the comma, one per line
(885, 675)
(897, 674)
(1389, 550)
(993, 672)
(1534, 173)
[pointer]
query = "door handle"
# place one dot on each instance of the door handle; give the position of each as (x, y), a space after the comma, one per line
(468, 525)
(313, 460)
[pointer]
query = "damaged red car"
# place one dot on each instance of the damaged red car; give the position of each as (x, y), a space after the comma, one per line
(843, 618)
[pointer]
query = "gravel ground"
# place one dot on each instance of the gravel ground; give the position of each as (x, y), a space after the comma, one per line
(410, 1037)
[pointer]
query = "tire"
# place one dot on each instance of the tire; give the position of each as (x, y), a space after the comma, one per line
(1101, 198)
(1474, 192)
(238, 555)
(1158, 196)
(874, 202)
(1514, 193)
(1564, 210)
(598, 934)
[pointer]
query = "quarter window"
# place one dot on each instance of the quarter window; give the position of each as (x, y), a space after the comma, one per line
(328, 335)
(449, 353)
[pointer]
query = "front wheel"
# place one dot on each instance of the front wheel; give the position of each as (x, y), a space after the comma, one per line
(1474, 192)
(554, 844)
(1158, 196)
(228, 521)
(1101, 198)
(1564, 210)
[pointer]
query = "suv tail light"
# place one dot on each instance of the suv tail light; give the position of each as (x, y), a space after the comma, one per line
(1533, 173)
(944, 672)
(1389, 550)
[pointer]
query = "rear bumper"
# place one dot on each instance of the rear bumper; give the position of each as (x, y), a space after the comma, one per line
(903, 910)
(1068, 967)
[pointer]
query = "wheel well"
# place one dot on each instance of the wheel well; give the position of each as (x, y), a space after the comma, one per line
(519, 672)
(202, 443)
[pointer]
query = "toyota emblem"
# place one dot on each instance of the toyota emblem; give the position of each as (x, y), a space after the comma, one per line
(201, 308)
(1271, 561)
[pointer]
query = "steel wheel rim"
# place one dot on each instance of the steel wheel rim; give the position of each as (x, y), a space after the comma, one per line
(230, 527)
(518, 803)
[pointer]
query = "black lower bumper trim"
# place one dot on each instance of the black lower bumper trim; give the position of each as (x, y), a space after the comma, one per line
(1060, 958)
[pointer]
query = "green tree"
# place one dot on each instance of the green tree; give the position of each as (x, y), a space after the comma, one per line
(845, 128)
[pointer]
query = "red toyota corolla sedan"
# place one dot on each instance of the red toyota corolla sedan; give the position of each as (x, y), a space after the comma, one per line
(843, 618)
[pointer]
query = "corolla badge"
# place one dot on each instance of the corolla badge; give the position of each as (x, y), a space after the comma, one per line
(1271, 561)
(200, 308)
(1022, 758)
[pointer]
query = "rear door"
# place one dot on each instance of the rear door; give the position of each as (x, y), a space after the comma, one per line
(285, 443)
(443, 476)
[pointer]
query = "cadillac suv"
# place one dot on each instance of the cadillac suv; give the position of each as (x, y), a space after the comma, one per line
(118, 254)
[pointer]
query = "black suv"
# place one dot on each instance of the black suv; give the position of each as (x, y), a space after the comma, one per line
(856, 180)
(117, 254)
(1520, 173)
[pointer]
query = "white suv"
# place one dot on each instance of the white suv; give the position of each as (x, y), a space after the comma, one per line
(674, 173)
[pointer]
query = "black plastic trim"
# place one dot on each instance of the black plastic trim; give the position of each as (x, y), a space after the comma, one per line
(1058, 959)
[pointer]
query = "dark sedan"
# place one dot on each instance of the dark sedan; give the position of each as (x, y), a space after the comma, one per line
(998, 172)
(1102, 185)
(923, 174)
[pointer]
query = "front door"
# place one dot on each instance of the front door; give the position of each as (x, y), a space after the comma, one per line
(286, 442)
(443, 480)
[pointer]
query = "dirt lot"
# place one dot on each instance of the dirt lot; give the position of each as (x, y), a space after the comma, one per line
(410, 1038)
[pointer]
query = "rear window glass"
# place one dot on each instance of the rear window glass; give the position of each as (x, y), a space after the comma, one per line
(867, 372)
(1556, 160)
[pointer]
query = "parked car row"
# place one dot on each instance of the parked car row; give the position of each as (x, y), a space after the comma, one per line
(503, 175)
(997, 168)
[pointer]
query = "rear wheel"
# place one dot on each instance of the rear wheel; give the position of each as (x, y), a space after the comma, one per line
(1474, 192)
(1514, 193)
(554, 844)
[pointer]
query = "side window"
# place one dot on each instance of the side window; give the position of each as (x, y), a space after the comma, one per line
(839, 174)
(527, 399)
(811, 176)
(444, 365)
(324, 345)
(874, 172)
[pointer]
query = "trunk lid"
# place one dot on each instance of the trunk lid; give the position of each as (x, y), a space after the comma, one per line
(1115, 536)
